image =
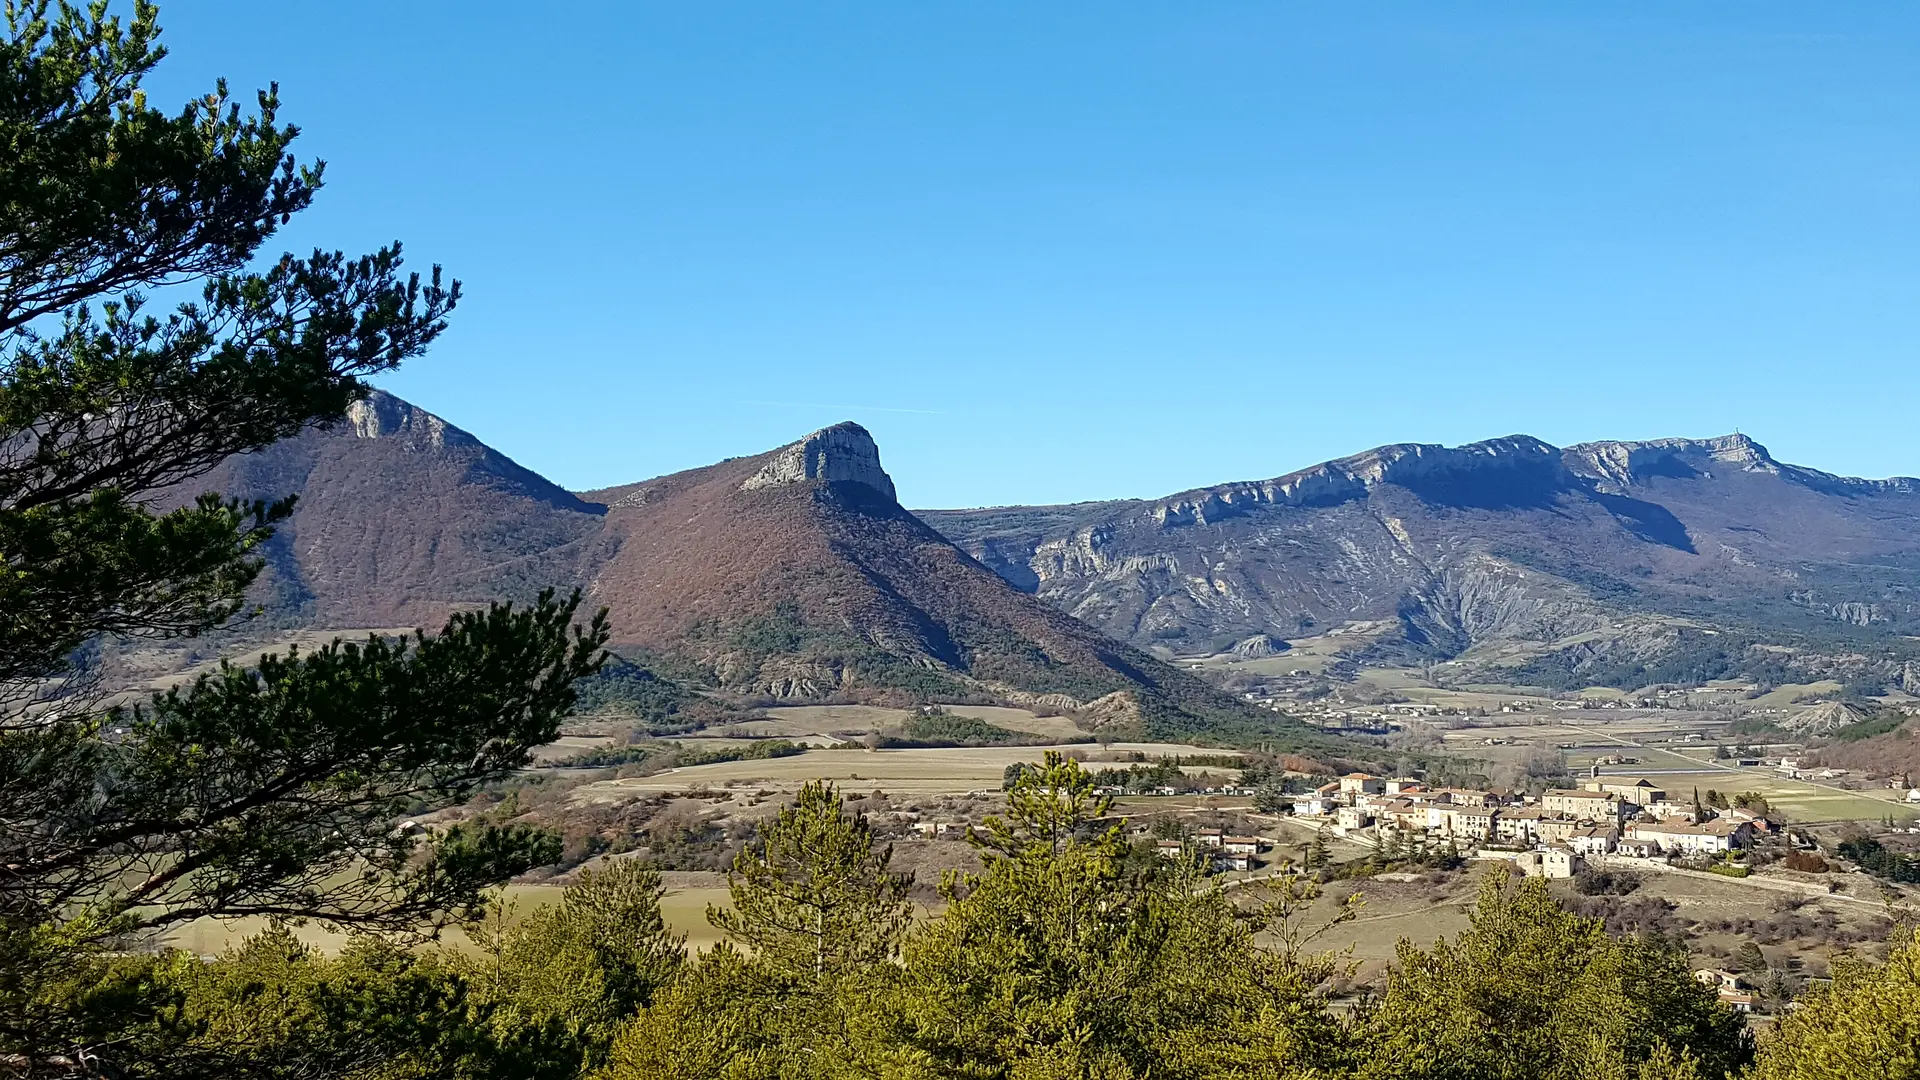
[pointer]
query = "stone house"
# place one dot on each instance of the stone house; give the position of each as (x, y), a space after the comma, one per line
(1355, 784)
(1715, 836)
(1597, 805)
(1631, 789)
(1551, 862)
(1667, 810)
(1471, 821)
(1594, 839)
(1518, 825)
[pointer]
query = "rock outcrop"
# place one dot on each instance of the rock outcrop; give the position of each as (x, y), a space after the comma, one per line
(1822, 719)
(1258, 647)
(843, 453)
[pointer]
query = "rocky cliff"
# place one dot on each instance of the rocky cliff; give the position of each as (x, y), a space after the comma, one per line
(1508, 540)
(841, 453)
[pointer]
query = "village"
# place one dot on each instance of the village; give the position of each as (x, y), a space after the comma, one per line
(1551, 834)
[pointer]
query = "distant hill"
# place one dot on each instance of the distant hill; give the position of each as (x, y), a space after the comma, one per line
(1616, 562)
(793, 574)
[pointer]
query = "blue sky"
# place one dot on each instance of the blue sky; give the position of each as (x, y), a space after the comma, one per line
(1073, 251)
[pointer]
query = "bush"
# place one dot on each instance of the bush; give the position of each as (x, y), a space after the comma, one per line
(1728, 870)
(1807, 862)
(1603, 883)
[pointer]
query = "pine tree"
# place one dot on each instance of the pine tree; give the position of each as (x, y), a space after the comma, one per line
(1533, 990)
(271, 791)
(1867, 1023)
(814, 899)
(1318, 851)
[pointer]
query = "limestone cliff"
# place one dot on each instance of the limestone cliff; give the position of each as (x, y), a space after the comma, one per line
(1508, 540)
(842, 453)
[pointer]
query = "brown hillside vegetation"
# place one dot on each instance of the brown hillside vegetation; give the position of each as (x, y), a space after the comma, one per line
(403, 518)
(792, 574)
(1894, 753)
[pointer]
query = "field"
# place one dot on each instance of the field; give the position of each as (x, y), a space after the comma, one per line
(843, 720)
(1804, 802)
(1436, 905)
(947, 771)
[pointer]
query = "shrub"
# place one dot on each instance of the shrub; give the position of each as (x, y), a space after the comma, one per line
(1807, 862)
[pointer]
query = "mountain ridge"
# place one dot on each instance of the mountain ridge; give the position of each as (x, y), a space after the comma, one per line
(793, 574)
(1505, 541)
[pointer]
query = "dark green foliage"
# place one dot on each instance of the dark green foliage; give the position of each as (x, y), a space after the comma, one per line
(1876, 859)
(1694, 658)
(101, 197)
(252, 791)
(264, 792)
(671, 755)
(941, 728)
(624, 687)
(1163, 772)
(1536, 992)
(540, 1001)
(786, 632)
(1880, 723)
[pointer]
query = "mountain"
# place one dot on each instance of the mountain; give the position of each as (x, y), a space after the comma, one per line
(403, 518)
(1579, 562)
(794, 574)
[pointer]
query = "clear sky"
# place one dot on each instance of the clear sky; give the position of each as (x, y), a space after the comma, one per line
(1064, 251)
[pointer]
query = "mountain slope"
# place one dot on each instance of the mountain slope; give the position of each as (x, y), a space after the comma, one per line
(403, 518)
(1506, 541)
(793, 574)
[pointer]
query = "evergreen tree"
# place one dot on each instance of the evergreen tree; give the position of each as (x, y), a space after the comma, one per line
(1318, 852)
(1055, 962)
(248, 792)
(1533, 991)
(815, 898)
(558, 985)
(823, 918)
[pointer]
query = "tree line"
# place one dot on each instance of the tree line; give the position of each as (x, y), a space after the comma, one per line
(1063, 957)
